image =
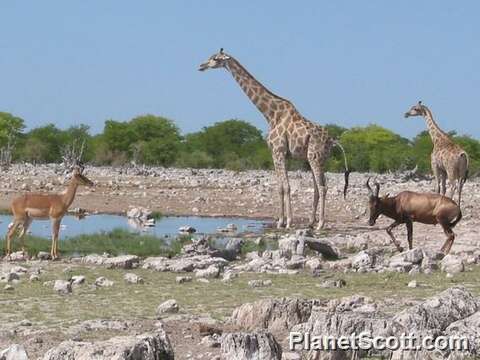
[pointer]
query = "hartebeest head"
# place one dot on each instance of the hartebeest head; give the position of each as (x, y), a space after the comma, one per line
(374, 203)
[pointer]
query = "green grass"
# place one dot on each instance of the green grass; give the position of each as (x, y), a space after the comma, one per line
(116, 242)
(41, 305)
(5, 212)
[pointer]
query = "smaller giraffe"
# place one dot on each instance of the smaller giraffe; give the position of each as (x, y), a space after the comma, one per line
(448, 160)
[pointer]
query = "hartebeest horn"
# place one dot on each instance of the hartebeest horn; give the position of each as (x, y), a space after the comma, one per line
(370, 191)
(377, 188)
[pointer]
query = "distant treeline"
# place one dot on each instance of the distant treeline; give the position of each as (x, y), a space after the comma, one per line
(231, 144)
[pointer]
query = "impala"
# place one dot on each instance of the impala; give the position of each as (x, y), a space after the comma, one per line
(30, 206)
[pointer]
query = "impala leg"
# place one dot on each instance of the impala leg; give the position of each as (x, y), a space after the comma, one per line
(10, 234)
(390, 233)
(26, 225)
(55, 231)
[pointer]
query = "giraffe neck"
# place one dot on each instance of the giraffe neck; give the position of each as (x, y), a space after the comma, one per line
(267, 102)
(434, 130)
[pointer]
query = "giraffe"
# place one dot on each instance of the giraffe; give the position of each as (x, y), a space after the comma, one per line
(448, 159)
(289, 134)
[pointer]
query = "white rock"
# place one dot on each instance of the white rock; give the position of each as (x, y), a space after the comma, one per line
(168, 307)
(62, 286)
(133, 278)
(452, 264)
(103, 282)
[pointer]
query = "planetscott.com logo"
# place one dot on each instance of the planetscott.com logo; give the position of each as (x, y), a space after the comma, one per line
(365, 341)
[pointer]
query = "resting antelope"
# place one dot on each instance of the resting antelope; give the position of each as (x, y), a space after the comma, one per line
(27, 207)
(408, 207)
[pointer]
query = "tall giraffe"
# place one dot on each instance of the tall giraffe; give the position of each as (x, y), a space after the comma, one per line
(448, 159)
(290, 133)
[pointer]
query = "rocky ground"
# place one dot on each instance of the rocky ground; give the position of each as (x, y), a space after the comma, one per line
(211, 303)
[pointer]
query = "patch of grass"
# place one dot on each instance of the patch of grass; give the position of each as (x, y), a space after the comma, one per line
(41, 305)
(157, 215)
(115, 242)
(5, 212)
(264, 244)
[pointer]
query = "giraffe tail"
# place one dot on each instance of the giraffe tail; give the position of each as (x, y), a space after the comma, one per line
(347, 171)
(465, 176)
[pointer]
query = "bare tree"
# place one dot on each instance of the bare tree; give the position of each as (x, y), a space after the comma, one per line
(6, 153)
(72, 154)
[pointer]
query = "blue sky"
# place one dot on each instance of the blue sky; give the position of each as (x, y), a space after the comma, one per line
(344, 62)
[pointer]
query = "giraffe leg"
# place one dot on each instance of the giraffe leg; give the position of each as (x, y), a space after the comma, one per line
(452, 184)
(444, 183)
(313, 217)
(281, 171)
(55, 230)
(323, 194)
(437, 174)
(319, 181)
(460, 188)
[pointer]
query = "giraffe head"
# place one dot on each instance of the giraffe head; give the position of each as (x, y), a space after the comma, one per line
(416, 110)
(215, 61)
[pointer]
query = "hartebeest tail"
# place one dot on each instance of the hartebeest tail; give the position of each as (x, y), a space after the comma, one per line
(408, 207)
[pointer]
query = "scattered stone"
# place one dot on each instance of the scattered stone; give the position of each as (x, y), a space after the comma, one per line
(327, 284)
(452, 264)
(9, 277)
(34, 278)
(436, 313)
(62, 287)
(248, 346)
(168, 307)
(363, 260)
(18, 256)
(103, 282)
(133, 278)
(183, 263)
(229, 276)
(43, 255)
(77, 280)
(25, 322)
(137, 347)
(259, 283)
(272, 314)
(414, 256)
(313, 264)
(211, 272)
(120, 262)
(413, 284)
(187, 229)
(14, 352)
(183, 279)
(8, 287)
